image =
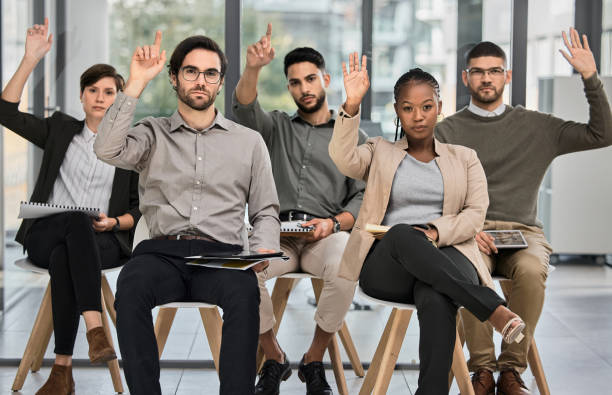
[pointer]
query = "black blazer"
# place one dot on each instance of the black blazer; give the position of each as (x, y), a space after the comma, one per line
(53, 135)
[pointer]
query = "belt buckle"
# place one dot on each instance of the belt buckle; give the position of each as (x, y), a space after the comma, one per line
(290, 214)
(178, 237)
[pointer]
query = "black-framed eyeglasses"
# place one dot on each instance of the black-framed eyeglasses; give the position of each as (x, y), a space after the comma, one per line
(212, 76)
(494, 72)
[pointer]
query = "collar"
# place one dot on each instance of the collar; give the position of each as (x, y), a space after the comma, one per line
(332, 119)
(439, 148)
(177, 121)
(485, 113)
(88, 134)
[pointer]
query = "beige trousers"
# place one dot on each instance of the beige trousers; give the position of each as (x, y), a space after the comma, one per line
(528, 269)
(322, 259)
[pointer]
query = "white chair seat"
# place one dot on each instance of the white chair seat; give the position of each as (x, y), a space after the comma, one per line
(399, 306)
(27, 264)
(193, 305)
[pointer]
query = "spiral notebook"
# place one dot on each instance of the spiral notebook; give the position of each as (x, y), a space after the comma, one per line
(39, 210)
(295, 229)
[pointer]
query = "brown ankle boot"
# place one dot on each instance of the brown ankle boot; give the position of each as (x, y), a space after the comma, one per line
(100, 349)
(60, 382)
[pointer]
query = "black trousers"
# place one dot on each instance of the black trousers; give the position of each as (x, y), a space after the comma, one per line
(157, 274)
(405, 267)
(74, 254)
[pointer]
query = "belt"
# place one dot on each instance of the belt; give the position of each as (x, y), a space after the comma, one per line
(184, 237)
(295, 216)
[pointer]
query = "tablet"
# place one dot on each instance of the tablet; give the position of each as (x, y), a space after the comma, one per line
(508, 238)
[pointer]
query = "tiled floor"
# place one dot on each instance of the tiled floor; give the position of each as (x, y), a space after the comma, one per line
(574, 337)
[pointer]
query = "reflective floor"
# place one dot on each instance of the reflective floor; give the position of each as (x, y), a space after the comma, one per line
(574, 337)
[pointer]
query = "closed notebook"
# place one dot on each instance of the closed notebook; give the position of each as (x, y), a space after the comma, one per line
(39, 210)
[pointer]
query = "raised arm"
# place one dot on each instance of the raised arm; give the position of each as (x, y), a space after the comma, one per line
(117, 142)
(259, 55)
(352, 160)
(245, 106)
(37, 44)
(597, 133)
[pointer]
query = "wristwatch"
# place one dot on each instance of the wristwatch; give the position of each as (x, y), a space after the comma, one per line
(117, 226)
(336, 228)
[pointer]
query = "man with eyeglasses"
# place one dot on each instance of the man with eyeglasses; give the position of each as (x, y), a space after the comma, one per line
(515, 147)
(198, 170)
(311, 190)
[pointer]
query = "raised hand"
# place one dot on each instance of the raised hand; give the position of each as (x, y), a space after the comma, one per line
(37, 43)
(261, 53)
(580, 55)
(147, 61)
(356, 82)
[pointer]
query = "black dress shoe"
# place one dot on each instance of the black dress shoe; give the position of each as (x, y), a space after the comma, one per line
(271, 375)
(313, 374)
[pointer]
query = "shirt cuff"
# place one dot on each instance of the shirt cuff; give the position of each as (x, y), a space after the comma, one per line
(344, 114)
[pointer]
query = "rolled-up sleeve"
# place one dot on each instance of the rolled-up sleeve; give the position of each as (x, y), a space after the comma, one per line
(119, 144)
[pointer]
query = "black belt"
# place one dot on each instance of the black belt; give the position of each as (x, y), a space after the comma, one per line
(295, 216)
(184, 237)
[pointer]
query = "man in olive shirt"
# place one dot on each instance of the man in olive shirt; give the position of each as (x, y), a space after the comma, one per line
(198, 170)
(515, 147)
(310, 189)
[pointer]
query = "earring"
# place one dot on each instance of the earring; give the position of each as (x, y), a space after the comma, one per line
(397, 125)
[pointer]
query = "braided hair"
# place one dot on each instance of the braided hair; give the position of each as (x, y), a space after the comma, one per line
(413, 76)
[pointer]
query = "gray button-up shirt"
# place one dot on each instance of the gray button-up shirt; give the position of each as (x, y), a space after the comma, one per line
(194, 182)
(306, 178)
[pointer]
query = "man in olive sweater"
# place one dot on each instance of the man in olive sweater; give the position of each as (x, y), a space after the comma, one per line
(516, 146)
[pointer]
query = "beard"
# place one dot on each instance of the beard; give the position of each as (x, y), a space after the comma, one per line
(488, 97)
(197, 105)
(315, 107)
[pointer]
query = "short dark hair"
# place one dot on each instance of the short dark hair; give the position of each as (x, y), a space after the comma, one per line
(485, 48)
(414, 76)
(188, 45)
(304, 54)
(98, 71)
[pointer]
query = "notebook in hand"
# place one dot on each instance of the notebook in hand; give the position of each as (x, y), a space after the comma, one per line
(295, 229)
(508, 238)
(39, 210)
(378, 231)
(241, 261)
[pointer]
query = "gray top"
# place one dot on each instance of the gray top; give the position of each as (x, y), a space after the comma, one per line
(194, 182)
(516, 147)
(306, 178)
(83, 179)
(417, 193)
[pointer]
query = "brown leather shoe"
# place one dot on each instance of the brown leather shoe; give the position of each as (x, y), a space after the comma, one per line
(509, 382)
(60, 382)
(483, 382)
(100, 349)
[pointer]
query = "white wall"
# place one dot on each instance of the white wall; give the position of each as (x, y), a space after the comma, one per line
(581, 198)
(86, 44)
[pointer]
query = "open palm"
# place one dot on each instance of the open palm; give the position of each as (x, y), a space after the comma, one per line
(37, 43)
(356, 80)
(580, 55)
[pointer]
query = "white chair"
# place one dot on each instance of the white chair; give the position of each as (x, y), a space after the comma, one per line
(280, 295)
(43, 327)
(211, 319)
(382, 365)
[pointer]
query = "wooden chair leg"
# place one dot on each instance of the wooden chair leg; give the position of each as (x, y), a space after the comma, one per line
(42, 324)
(535, 363)
(336, 362)
(280, 296)
(533, 357)
(460, 370)
(376, 374)
(461, 337)
(349, 346)
(113, 365)
(44, 341)
(109, 300)
(391, 353)
(212, 326)
(163, 323)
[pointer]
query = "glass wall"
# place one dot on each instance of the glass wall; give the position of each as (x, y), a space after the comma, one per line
(332, 27)
(606, 39)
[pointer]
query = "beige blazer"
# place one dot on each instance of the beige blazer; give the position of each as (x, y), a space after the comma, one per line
(376, 161)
